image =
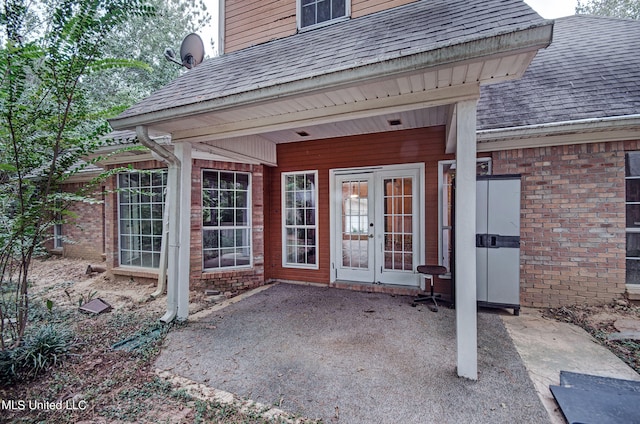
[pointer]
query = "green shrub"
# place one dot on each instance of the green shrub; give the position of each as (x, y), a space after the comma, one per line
(7, 367)
(43, 348)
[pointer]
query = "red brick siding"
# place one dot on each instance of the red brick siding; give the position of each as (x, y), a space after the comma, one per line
(228, 279)
(83, 229)
(572, 222)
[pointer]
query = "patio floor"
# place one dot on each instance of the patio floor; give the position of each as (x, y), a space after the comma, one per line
(353, 357)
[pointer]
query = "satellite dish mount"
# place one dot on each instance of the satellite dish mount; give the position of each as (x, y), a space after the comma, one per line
(191, 52)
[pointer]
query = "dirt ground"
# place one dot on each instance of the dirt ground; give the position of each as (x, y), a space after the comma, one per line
(99, 384)
(615, 325)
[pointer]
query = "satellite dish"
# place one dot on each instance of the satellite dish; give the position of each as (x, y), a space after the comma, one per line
(192, 51)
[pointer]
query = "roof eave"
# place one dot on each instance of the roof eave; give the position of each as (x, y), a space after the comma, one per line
(594, 130)
(529, 39)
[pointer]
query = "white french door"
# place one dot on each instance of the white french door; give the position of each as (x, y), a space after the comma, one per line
(378, 219)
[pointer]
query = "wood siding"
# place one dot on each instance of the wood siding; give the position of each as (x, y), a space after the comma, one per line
(390, 148)
(365, 7)
(248, 23)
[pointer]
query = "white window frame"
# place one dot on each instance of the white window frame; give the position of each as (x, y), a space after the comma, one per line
(347, 15)
(629, 230)
(161, 217)
(58, 237)
(247, 226)
(283, 191)
(446, 165)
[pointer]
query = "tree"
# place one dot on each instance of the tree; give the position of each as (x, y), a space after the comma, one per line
(145, 39)
(47, 123)
(615, 8)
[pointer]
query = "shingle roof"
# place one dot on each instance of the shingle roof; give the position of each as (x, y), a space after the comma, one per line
(417, 27)
(590, 70)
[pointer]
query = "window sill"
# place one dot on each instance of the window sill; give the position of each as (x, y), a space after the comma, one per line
(633, 291)
(135, 272)
(225, 272)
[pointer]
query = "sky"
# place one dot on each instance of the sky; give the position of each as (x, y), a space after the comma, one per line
(548, 9)
(551, 9)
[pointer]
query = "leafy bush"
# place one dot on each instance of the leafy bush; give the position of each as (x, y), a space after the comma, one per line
(43, 348)
(7, 367)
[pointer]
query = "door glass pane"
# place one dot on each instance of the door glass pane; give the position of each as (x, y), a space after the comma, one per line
(398, 225)
(355, 224)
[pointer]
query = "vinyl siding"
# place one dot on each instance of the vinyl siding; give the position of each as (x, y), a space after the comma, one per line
(248, 23)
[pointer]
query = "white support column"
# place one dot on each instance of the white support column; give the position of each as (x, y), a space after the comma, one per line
(183, 152)
(465, 240)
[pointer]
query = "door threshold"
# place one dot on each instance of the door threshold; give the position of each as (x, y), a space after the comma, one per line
(376, 288)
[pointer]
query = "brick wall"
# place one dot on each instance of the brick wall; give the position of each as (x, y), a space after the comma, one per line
(227, 279)
(572, 221)
(83, 230)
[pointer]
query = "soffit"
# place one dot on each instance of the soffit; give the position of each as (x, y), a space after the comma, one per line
(417, 98)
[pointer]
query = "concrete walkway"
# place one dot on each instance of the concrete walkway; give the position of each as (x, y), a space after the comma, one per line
(547, 347)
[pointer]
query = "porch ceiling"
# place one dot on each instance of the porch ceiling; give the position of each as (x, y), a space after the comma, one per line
(417, 99)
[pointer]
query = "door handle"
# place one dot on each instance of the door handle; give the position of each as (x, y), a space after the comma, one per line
(370, 235)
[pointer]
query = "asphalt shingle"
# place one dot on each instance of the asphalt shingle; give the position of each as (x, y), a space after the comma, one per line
(414, 28)
(590, 70)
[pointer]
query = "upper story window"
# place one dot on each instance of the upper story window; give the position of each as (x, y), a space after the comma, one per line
(312, 13)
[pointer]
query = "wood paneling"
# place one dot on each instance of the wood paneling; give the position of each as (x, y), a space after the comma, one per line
(389, 148)
(248, 23)
(365, 7)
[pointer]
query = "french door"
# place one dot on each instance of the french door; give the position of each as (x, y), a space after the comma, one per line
(377, 224)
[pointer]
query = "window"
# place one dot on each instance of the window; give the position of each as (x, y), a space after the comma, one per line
(226, 224)
(313, 13)
(141, 208)
(57, 236)
(300, 218)
(632, 189)
(446, 181)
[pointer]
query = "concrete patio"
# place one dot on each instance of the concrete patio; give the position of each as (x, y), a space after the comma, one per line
(353, 357)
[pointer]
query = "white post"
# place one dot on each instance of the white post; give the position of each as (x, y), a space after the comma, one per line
(183, 152)
(465, 240)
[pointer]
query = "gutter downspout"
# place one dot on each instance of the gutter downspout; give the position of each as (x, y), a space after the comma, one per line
(164, 249)
(171, 203)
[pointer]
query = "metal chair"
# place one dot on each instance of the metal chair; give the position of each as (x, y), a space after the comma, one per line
(429, 272)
